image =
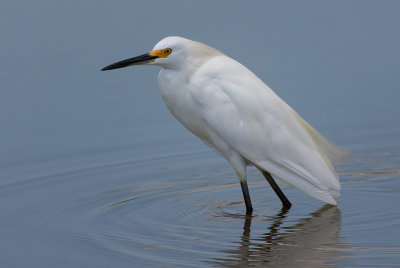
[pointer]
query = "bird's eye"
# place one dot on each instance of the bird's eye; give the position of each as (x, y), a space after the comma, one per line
(167, 51)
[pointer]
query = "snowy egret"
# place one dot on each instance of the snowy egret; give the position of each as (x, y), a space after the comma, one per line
(233, 111)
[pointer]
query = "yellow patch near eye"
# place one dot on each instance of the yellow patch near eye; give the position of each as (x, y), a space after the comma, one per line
(161, 53)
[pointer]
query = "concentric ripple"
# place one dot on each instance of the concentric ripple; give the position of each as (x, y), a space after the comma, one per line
(152, 212)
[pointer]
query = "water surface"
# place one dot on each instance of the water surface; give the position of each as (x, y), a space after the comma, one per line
(186, 208)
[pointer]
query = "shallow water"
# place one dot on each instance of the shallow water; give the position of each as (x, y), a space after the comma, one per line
(186, 209)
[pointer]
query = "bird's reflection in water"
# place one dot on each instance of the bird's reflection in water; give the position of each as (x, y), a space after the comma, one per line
(311, 242)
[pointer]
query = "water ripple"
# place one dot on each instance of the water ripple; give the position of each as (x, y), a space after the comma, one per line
(140, 212)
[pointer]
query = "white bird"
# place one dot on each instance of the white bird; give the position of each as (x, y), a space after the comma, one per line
(233, 111)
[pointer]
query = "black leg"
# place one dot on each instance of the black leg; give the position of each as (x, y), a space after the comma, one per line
(286, 203)
(246, 196)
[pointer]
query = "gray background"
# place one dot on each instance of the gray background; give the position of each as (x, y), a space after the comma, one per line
(69, 132)
(334, 62)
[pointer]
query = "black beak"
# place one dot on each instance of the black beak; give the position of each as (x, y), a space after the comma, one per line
(132, 61)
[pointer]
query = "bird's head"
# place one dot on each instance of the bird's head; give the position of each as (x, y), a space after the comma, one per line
(172, 53)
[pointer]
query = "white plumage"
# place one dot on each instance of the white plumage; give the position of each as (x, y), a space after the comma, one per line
(232, 110)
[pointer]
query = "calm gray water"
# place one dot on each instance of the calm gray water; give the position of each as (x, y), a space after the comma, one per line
(94, 172)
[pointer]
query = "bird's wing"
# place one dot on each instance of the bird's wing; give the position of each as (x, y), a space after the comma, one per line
(255, 122)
